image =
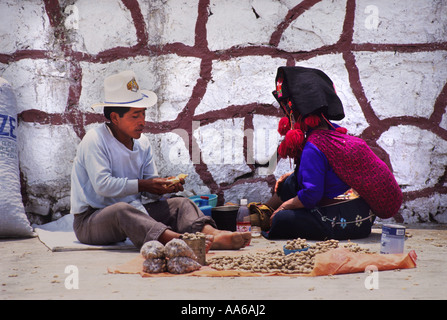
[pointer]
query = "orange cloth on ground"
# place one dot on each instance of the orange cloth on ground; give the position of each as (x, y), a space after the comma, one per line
(340, 260)
(336, 261)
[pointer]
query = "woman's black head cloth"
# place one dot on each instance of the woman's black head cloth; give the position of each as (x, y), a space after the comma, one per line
(305, 91)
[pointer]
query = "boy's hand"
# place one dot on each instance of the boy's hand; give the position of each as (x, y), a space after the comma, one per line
(175, 183)
(179, 179)
(160, 186)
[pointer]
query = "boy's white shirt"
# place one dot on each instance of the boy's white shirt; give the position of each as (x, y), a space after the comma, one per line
(106, 172)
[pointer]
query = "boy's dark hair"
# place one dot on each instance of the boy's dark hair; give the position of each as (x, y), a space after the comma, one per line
(120, 110)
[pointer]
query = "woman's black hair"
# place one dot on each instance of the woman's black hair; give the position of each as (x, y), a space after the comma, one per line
(120, 110)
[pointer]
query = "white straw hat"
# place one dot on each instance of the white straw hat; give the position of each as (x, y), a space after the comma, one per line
(122, 90)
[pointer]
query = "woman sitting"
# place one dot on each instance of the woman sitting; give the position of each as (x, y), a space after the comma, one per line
(339, 185)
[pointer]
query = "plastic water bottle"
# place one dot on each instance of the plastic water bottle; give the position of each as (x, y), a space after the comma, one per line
(243, 223)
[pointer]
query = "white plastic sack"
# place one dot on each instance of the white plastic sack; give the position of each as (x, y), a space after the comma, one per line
(13, 220)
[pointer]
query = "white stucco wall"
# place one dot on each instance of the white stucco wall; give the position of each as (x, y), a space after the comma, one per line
(212, 64)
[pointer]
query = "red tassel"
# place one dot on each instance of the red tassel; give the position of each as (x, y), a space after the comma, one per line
(300, 124)
(283, 126)
(293, 142)
(342, 130)
(282, 150)
(312, 121)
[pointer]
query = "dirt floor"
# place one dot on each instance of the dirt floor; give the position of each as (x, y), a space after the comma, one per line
(29, 270)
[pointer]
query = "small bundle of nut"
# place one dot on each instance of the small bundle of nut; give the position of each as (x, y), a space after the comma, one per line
(154, 253)
(178, 248)
(152, 250)
(275, 261)
(176, 257)
(179, 265)
(154, 265)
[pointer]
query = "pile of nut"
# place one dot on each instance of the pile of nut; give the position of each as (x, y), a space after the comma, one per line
(176, 257)
(296, 244)
(275, 261)
(354, 247)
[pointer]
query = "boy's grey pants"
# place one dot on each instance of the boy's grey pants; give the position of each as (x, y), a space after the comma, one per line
(119, 221)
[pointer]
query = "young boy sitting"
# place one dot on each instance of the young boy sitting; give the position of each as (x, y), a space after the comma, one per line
(114, 165)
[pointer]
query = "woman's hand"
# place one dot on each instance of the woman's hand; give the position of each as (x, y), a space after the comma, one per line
(294, 203)
(160, 186)
(281, 180)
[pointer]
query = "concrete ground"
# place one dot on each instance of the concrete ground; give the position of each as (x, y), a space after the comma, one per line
(29, 270)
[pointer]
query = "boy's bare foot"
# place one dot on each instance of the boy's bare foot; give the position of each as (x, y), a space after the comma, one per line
(209, 239)
(227, 240)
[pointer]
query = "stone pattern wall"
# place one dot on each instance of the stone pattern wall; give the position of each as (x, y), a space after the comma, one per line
(212, 64)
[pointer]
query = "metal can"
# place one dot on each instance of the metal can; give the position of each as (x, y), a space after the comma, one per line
(393, 239)
(199, 248)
